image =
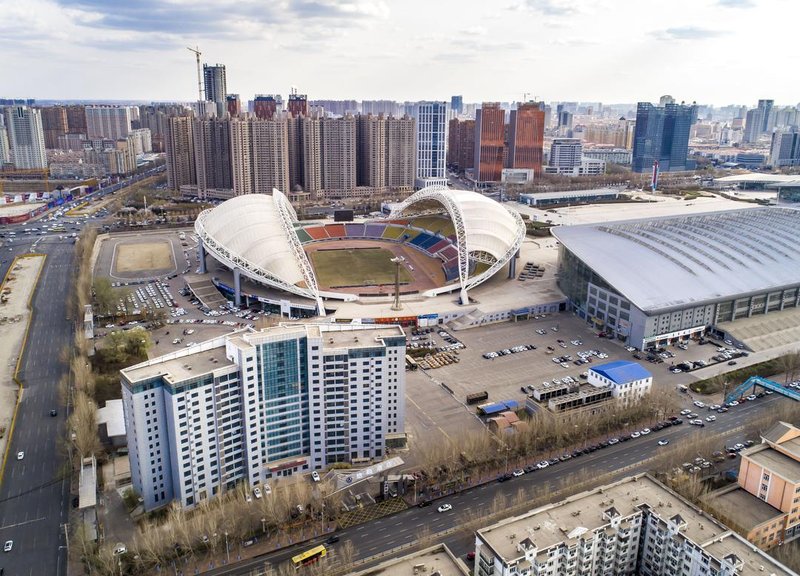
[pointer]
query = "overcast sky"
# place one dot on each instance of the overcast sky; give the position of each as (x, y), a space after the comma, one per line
(711, 51)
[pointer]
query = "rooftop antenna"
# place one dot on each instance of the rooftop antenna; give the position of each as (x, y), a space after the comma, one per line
(197, 53)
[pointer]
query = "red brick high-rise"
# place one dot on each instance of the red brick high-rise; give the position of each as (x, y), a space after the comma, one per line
(298, 105)
(461, 142)
(234, 105)
(265, 106)
(526, 137)
(489, 142)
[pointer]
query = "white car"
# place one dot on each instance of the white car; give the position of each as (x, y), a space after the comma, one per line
(685, 412)
(635, 434)
(646, 431)
(518, 473)
(8, 546)
(710, 418)
(444, 508)
(699, 404)
(315, 476)
(257, 492)
(663, 442)
(543, 464)
(20, 455)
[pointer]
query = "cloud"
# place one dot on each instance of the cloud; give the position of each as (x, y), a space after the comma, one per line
(687, 33)
(546, 7)
(736, 3)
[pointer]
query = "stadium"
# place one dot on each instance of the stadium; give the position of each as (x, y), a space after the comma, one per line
(441, 240)
(734, 274)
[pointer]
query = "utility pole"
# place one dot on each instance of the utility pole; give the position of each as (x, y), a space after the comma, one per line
(397, 261)
(197, 53)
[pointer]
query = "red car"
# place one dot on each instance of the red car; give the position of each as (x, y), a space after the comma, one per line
(470, 555)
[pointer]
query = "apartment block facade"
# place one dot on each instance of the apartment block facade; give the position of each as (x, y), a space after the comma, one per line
(636, 526)
(112, 122)
(25, 137)
(254, 406)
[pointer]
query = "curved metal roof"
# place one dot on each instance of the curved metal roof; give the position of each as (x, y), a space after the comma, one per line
(255, 233)
(679, 261)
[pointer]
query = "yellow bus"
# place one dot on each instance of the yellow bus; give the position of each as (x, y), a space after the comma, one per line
(309, 557)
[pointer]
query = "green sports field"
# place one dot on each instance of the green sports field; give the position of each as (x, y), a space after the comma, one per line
(356, 267)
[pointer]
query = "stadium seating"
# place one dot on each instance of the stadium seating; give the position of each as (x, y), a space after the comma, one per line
(335, 230)
(393, 232)
(374, 230)
(354, 230)
(317, 232)
(303, 236)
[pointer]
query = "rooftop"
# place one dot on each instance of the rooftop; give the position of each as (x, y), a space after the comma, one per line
(755, 177)
(777, 463)
(565, 521)
(576, 193)
(755, 562)
(113, 417)
(741, 507)
(691, 260)
(181, 365)
(621, 371)
(436, 559)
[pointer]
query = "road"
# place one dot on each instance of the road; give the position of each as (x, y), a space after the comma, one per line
(33, 497)
(630, 457)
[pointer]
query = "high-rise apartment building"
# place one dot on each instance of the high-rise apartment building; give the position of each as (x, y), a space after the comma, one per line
(785, 148)
(54, 124)
(5, 152)
(25, 137)
(372, 156)
(233, 105)
(297, 105)
(254, 406)
(270, 154)
(241, 156)
(216, 86)
(636, 526)
(457, 104)
(179, 147)
(489, 143)
(142, 141)
(309, 150)
(76, 119)
(377, 107)
(662, 134)
(461, 144)
(400, 146)
(266, 106)
(566, 153)
(431, 118)
(112, 122)
(213, 155)
(339, 154)
(767, 116)
(526, 137)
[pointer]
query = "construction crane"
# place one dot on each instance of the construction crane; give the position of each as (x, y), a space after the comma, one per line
(197, 54)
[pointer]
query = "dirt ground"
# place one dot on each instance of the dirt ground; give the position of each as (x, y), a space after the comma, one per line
(426, 271)
(14, 317)
(143, 257)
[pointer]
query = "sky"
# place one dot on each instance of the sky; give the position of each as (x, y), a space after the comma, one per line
(714, 52)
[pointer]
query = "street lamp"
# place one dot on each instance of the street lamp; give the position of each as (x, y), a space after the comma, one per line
(264, 525)
(227, 550)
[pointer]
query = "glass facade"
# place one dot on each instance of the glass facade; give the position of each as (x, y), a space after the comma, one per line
(574, 277)
(283, 398)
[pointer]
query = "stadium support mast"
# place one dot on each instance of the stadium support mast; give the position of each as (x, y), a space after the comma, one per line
(397, 262)
(197, 54)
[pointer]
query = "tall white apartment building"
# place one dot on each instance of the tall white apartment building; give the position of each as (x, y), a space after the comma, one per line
(25, 137)
(253, 406)
(112, 122)
(142, 141)
(431, 143)
(634, 526)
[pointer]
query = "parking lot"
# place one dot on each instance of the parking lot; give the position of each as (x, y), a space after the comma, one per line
(504, 358)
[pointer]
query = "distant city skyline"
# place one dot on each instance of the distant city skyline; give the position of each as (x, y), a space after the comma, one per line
(707, 51)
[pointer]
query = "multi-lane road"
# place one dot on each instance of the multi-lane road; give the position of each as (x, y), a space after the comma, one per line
(626, 458)
(33, 496)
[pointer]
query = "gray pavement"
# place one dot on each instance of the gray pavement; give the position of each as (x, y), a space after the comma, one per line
(34, 493)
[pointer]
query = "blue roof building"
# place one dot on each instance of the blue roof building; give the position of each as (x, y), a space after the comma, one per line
(622, 371)
(629, 381)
